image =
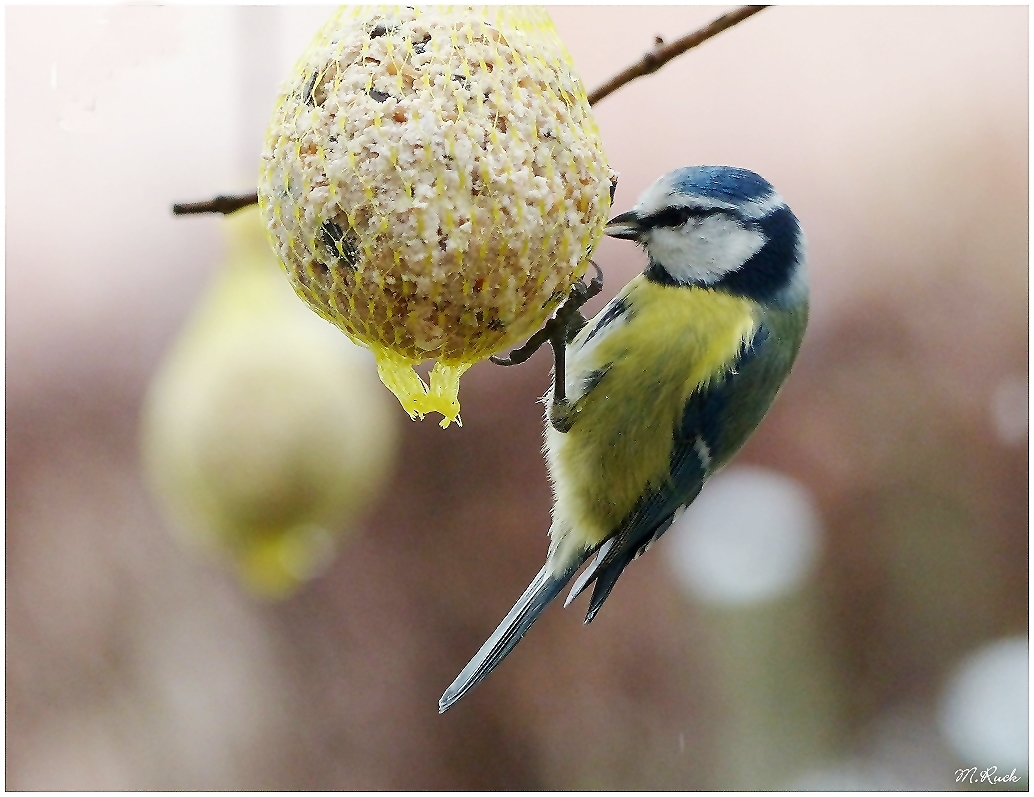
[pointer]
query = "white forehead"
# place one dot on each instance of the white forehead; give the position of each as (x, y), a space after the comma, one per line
(663, 193)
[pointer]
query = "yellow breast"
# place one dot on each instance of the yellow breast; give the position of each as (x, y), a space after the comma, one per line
(670, 342)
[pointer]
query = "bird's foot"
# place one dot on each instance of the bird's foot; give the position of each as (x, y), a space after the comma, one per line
(563, 326)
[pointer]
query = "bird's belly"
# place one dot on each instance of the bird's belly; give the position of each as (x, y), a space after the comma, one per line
(620, 442)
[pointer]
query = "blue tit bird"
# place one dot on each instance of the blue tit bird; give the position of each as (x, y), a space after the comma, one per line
(658, 391)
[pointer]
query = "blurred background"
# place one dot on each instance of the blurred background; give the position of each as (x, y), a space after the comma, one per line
(845, 607)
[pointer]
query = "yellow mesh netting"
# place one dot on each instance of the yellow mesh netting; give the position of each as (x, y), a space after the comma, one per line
(434, 183)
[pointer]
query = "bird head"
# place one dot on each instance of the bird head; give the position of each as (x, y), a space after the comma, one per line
(718, 227)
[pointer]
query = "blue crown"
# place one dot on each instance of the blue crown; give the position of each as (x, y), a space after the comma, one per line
(722, 183)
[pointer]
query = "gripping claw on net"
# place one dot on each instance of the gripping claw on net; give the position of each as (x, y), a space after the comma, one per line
(562, 327)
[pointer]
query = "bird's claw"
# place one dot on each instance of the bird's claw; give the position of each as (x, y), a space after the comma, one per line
(581, 292)
(517, 356)
(558, 327)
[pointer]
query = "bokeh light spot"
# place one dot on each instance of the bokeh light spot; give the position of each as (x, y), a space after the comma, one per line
(751, 536)
(1009, 409)
(984, 706)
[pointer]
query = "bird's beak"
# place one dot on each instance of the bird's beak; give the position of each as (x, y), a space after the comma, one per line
(624, 226)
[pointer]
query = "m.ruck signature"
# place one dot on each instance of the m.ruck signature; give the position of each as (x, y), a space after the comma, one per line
(988, 775)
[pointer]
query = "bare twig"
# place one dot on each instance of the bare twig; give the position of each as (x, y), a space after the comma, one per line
(221, 204)
(647, 65)
(663, 53)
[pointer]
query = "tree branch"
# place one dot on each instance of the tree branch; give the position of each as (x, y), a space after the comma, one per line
(221, 204)
(647, 65)
(663, 53)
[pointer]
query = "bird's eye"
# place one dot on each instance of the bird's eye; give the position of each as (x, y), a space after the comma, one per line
(676, 216)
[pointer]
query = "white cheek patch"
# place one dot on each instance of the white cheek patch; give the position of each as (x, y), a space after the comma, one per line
(703, 250)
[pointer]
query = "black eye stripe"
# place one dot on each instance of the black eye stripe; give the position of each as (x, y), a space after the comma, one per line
(677, 216)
